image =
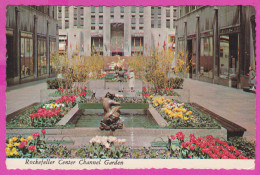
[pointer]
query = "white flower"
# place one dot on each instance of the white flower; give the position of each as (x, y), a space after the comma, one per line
(121, 140)
(112, 139)
(107, 145)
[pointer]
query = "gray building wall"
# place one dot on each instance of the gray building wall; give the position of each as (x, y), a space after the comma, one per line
(35, 22)
(208, 21)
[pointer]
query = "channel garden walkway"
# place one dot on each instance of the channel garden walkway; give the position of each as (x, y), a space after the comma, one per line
(233, 104)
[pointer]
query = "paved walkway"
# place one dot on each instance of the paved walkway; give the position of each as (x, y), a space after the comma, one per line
(232, 104)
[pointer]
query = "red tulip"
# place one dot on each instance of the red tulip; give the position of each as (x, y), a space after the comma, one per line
(43, 131)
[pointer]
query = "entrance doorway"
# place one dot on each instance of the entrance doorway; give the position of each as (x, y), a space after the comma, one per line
(189, 50)
(9, 55)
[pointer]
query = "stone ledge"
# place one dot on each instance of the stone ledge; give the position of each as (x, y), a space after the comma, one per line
(157, 117)
(69, 115)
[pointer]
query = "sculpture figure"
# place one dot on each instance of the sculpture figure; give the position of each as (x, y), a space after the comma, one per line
(111, 121)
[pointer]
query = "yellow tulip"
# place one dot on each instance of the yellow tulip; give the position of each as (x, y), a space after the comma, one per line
(8, 153)
(11, 141)
(30, 138)
(7, 149)
(15, 139)
(9, 145)
(184, 110)
(21, 139)
(14, 149)
(189, 112)
(17, 144)
(16, 153)
(185, 118)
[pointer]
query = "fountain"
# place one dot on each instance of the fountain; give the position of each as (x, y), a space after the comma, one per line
(111, 121)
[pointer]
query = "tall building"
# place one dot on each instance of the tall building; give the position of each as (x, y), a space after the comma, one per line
(110, 31)
(32, 37)
(218, 43)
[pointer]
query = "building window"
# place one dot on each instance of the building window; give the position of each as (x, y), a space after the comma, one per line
(175, 13)
(92, 27)
(75, 22)
(159, 10)
(122, 16)
(141, 20)
(168, 13)
(133, 27)
(60, 24)
(112, 16)
(59, 12)
(81, 11)
(81, 22)
(92, 9)
(133, 9)
(67, 24)
(100, 9)
(159, 23)
(206, 57)
(53, 48)
(100, 27)
(133, 20)
(152, 23)
(100, 19)
(228, 56)
(141, 9)
(66, 12)
(141, 28)
(122, 9)
(168, 24)
(26, 57)
(42, 57)
(112, 9)
(93, 20)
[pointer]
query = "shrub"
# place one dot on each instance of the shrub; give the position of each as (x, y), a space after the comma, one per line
(175, 82)
(247, 147)
(55, 83)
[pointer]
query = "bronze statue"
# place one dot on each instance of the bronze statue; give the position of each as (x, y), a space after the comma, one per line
(111, 120)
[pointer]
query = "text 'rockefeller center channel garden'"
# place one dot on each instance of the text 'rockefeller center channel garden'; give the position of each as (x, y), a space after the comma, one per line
(131, 82)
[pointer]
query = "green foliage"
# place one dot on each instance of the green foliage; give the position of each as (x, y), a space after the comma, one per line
(96, 150)
(54, 83)
(247, 147)
(57, 151)
(175, 82)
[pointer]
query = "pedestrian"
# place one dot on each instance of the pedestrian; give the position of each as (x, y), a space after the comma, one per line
(252, 81)
(132, 80)
(120, 75)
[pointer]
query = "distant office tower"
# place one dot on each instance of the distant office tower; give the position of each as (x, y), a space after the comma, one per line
(110, 31)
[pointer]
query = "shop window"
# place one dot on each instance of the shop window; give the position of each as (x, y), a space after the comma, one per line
(228, 56)
(53, 54)
(206, 57)
(26, 57)
(42, 57)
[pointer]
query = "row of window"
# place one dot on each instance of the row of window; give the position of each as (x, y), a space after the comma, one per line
(26, 56)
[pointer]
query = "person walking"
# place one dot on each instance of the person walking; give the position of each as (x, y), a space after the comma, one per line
(120, 75)
(252, 81)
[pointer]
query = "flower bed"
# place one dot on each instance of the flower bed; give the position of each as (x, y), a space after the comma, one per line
(103, 147)
(44, 115)
(20, 147)
(128, 103)
(182, 115)
(203, 148)
(169, 91)
(74, 91)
